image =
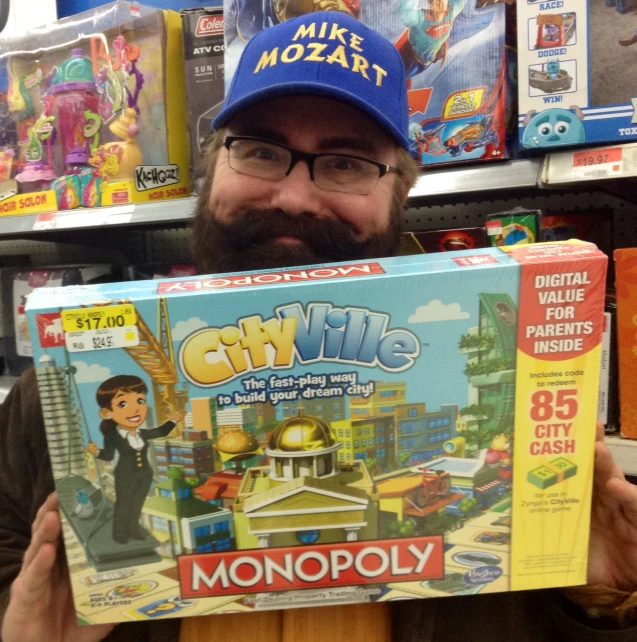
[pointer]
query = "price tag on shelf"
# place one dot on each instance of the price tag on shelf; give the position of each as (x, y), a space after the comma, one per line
(45, 221)
(598, 163)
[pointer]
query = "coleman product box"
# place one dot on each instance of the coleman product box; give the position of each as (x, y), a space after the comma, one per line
(367, 431)
(203, 52)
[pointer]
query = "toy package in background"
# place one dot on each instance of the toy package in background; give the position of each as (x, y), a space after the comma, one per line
(467, 238)
(158, 271)
(398, 428)
(626, 289)
(517, 227)
(574, 58)
(204, 52)
(98, 116)
(18, 284)
(456, 64)
(455, 60)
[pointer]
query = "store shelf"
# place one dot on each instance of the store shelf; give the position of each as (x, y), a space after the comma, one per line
(163, 212)
(489, 177)
(625, 453)
(6, 383)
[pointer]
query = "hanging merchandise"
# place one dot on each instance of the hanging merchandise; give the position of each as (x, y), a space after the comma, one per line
(96, 117)
(575, 57)
(377, 430)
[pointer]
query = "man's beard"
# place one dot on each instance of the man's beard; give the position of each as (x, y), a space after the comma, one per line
(249, 241)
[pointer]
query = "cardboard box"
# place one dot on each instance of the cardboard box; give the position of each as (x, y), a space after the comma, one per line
(204, 52)
(517, 227)
(467, 238)
(411, 427)
(574, 58)
(97, 117)
(456, 64)
(626, 279)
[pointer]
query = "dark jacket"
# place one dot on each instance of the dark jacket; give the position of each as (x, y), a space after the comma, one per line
(26, 481)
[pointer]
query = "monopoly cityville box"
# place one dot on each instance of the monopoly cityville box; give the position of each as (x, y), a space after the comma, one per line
(574, 58)
(98, 116)
(455, 62)
(376, 430)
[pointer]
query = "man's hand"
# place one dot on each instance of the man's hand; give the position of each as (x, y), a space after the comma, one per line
(41, 604)
(612, 558)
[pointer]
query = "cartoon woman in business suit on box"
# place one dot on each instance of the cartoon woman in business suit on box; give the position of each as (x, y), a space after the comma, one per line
(123, 408)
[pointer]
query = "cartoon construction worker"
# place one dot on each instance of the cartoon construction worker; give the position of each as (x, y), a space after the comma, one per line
(123, 409)
(429, 24)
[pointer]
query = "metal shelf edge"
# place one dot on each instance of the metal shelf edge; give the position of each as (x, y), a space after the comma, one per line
(625, 453)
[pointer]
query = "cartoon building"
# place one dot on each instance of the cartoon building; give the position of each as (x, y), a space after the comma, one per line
(242, 418)
(179, 521)
(266, 413)
(204, 416)
(221, 488)
(196, 458)
(387, 395)
(421, 435)
(306, 495)
(63, 425)
(471, 476)
(330, 409)
(491, 350)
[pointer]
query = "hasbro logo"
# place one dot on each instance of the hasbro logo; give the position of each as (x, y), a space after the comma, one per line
(482, 575)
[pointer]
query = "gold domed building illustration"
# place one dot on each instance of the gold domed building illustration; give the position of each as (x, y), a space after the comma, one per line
(305, 496)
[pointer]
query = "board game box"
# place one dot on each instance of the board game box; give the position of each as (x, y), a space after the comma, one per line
(367, 431)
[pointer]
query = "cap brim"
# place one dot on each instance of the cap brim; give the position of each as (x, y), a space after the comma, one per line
(311, 89)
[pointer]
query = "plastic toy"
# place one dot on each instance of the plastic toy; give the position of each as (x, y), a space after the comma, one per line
(119, 159)
(86, 106)
(552, 79)
(555, 30)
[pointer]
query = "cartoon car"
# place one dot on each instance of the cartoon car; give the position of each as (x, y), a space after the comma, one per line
(473, 136)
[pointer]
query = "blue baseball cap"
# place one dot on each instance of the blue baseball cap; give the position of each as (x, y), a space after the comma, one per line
(326, 53)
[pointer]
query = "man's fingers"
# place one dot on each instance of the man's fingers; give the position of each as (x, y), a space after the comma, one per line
(50, 504)
(48, 532)
(599, 431)
(31, 586)
(625, 494)
(605, 465)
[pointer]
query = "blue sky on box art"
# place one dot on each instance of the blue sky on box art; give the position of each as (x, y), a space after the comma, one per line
(438, 315)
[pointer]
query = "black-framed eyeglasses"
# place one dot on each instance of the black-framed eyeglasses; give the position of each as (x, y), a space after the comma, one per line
(331, 172)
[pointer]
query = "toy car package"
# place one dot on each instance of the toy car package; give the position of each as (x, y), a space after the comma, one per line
(374, 430)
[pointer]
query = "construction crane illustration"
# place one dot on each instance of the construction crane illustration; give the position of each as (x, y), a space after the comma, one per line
(155, 355)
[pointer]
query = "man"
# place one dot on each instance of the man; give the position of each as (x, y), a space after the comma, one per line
(309, 164)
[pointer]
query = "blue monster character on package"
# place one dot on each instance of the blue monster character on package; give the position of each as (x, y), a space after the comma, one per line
(331, 433)
(454, 56)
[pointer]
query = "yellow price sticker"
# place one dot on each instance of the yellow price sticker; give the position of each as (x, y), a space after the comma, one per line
(99, 318)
